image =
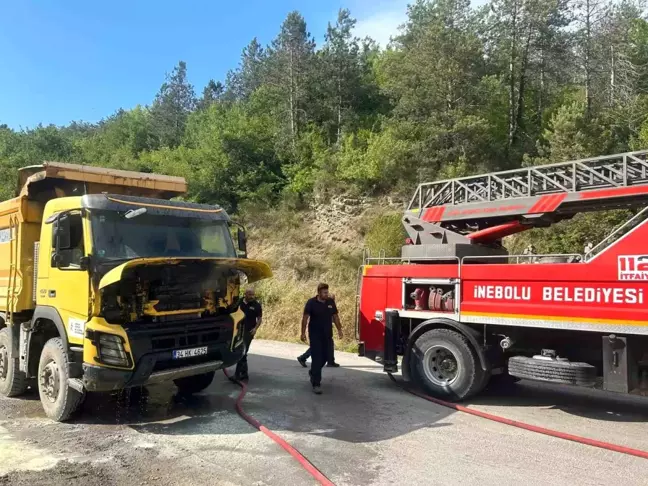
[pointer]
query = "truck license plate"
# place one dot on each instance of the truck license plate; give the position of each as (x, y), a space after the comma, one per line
(189, 353)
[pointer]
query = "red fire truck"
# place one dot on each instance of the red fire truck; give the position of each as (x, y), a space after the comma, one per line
(462, 311)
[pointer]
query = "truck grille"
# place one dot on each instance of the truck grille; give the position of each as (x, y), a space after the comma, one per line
(147, 338)
(202, 338)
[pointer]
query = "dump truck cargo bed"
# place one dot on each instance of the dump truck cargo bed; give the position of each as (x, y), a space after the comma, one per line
(21, 217)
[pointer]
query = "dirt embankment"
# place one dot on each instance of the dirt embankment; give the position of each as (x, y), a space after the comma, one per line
(324, 243)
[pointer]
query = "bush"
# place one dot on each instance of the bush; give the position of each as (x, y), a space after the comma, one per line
(385, 232)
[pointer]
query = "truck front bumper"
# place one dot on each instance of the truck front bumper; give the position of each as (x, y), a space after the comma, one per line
(103, 379)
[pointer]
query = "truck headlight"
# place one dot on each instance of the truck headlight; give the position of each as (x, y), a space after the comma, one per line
(110, 349)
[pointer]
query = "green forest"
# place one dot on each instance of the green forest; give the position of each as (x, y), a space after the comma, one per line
(459, 90)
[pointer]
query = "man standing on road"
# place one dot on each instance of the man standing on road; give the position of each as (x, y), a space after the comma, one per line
(320, 313)
(330, 357)
(251, 322)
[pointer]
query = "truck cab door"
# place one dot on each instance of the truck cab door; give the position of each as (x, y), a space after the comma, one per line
(67, 287)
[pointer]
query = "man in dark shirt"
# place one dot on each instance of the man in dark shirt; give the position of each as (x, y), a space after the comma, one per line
(330, 360)
(252, 320)
(320, 313)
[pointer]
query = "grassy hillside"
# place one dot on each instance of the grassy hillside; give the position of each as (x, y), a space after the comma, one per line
(303, 252)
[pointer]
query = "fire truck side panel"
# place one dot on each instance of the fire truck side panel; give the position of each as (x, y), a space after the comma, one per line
(394, 293)
(607, 294)
(372, 300)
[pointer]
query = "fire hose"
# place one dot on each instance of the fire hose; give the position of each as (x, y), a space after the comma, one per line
(301, 459)
(521, 425)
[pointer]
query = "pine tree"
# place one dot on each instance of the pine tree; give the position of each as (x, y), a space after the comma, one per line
(589, 15)
(290, 59)
(212, 93)
(341, 73)
(527, 46)
(172, 106)
(249, 75)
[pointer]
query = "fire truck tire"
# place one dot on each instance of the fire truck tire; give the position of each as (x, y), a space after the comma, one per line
(60, 401)
(12, 380)
(194, 384)
(554, 371)
(446, 365)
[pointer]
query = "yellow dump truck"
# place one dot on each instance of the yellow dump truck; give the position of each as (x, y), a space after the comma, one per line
(106, 283)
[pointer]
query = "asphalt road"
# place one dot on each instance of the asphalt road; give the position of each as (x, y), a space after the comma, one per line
(362, 431)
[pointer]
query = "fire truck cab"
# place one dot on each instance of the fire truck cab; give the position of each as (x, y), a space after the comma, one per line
(462, 312)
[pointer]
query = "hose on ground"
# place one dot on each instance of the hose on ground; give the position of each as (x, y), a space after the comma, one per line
(525, 426)
(305, 463)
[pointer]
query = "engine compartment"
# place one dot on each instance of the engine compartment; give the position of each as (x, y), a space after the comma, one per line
(161, 293)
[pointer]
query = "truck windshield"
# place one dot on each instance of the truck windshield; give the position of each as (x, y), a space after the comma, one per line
(147, 235)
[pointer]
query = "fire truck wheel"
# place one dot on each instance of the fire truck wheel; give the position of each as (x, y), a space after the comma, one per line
(12, 380)
(60, 401)
(194, 384)
(446, 365)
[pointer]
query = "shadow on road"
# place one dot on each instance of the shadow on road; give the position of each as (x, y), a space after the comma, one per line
(357, 406)
(583, 402)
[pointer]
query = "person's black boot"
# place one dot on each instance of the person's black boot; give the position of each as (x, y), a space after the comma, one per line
(333, 365)
(317, 390)
(302, 361)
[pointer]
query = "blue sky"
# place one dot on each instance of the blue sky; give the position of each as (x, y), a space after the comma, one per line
(81, 60)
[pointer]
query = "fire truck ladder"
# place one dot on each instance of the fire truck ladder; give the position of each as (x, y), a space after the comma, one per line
(485, 208)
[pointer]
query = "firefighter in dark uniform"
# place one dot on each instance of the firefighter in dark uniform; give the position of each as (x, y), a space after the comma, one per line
(252, 320)
(320, 313)
(330, 362)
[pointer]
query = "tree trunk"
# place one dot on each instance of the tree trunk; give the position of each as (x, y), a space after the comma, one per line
(339, 110)
(292, 99)
(541, 88)
(519, 116)
(612, 76)
(587, 60)
(512, 77)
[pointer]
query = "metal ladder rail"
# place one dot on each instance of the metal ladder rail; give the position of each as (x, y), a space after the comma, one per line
(612, 171)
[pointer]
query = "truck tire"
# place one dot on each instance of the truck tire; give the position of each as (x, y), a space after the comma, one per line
(12, 381)
(446, 365)
(553, 371)
(60, 401)
(194, 384)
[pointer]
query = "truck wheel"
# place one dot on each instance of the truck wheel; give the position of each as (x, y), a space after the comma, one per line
(446, 365)
(12, 381)
(194, 384)
(60, 401)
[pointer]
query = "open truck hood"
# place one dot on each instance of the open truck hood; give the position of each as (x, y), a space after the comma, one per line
(254, 269)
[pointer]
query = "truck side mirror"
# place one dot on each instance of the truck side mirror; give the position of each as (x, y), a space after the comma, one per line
(84, 263)
(62, 233)
(242, 241)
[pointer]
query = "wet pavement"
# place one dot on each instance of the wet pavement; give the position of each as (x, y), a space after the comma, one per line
(363, 430)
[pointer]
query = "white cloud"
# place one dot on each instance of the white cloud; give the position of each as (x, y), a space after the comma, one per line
(380, 20)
